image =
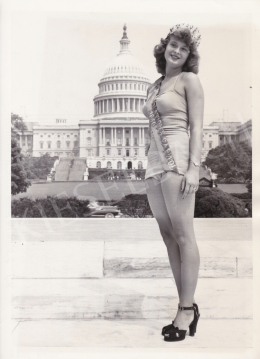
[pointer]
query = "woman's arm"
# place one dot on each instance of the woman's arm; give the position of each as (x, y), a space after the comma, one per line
(195, 100)
(147, 146)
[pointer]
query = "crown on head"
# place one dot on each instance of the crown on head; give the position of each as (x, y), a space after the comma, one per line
(194, 31)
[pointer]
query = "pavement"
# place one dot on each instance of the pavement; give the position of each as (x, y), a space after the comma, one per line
(213, 334)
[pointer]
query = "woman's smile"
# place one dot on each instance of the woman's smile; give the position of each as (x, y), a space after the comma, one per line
(175, 56)
(176, 52)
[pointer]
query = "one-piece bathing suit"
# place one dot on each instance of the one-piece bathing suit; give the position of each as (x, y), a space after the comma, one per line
(173, 111)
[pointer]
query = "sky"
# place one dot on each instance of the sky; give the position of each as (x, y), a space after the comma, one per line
(58, 58)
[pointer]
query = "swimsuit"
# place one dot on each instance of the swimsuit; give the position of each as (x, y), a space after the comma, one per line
(173, 111)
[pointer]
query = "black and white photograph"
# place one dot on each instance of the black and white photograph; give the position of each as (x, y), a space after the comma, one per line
(129, 226)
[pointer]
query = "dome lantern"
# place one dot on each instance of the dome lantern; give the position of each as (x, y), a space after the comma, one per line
(124, 42)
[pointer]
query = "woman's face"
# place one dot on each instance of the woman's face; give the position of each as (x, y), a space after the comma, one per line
(176, 52)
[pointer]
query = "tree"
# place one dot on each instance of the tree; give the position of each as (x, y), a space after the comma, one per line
(40, 167)
(19, 181)
(17, 124)
(212, 202)
(231, 160)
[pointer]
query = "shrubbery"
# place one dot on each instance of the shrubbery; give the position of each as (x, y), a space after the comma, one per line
(51, 207)
(210, 202)
(135, 205)
(215, 203)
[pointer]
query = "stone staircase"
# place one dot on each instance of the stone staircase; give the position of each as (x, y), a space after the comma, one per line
(63, 169)
(77, 170)
(118, 269)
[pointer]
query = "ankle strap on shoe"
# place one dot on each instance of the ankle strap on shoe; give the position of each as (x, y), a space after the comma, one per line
(185, 308)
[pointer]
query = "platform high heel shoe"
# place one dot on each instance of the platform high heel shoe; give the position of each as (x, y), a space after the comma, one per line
(170, 326)
(175, 334)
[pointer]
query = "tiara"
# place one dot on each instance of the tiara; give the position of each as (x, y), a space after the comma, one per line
(195, 34)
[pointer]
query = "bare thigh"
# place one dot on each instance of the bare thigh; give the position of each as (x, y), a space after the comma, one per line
(158, 207)
(180, 211)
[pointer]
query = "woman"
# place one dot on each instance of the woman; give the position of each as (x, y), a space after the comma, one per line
(174, 102)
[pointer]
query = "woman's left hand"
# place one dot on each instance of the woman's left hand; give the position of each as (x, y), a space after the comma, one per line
(190, 182)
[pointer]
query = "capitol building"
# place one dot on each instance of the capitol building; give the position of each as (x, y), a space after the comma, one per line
(115, 137)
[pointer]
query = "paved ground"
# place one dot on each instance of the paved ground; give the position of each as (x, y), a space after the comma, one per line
(213, 334)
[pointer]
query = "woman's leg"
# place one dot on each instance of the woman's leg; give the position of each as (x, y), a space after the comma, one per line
(159, 210)
(181, 213)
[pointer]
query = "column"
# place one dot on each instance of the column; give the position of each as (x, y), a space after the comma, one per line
(112, 105)
(123, 105)
(115, 137)
(118, 105)
(123, 136)
(103, 135)
(139, 128)
(139, 105)
(112, 135)
(131, 139)
(143, 136)
(100, 135)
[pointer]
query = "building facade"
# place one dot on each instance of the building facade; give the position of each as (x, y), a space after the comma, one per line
(116, 135)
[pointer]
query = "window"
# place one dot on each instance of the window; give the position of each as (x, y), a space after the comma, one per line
(136, 151)
(119, 152)
(117, 86)
(127, 153)
(41, 135)
(108, 142)
(119, 141)
(75, 143)
(127, 142)
(108, 152)
(210, 144)
(68, 143)
(210, 135)
(89, 141)
(58, 144)
(75, 135)
(58, 135)
(98, 164)
(203, 144)
(41, 144)
(88, 131)
(68, 135)
(49, 144)
(140, 165)
(89, 152)
(49, 135)
(126, 131)
(135, 141)
(119, 165)
(135, 86)
(121, 86)
(109, 165)
(125, 86)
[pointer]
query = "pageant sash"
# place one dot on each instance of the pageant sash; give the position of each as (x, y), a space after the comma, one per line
(156, 127)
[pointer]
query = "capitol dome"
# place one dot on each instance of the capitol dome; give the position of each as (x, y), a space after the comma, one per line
(123, 87)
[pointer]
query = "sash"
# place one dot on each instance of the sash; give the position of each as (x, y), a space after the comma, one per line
(158, 132)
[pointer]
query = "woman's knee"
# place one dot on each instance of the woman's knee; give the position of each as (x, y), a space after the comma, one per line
(167, 234)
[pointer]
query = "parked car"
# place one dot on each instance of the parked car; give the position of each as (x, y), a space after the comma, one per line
(99, 210)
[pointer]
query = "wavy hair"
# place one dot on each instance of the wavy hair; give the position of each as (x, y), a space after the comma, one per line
(192, 62)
